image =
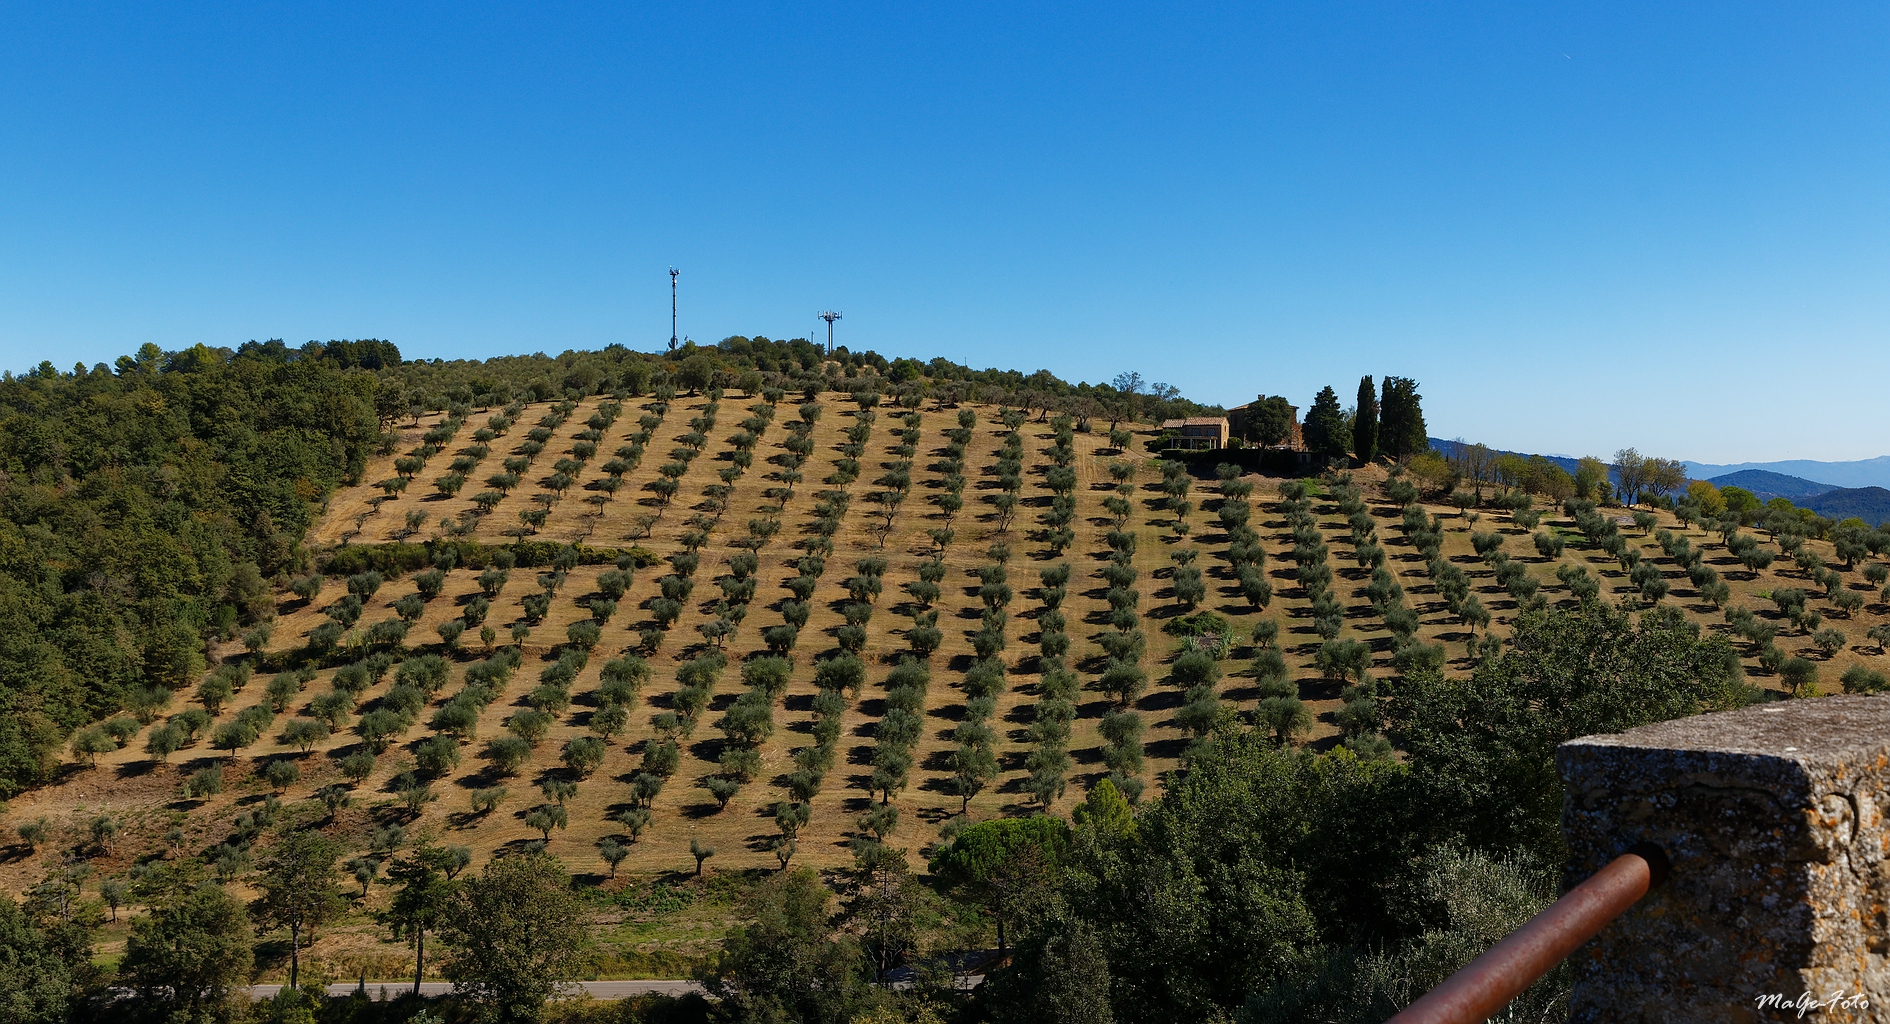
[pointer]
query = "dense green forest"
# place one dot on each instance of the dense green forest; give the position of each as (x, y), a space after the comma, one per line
(144, 509)
(148, 509)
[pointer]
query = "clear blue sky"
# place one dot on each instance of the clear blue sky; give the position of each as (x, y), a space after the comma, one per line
(1578, 226)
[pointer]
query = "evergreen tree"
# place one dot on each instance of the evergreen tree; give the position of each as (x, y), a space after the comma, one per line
(1326, 432)
(267, 435)
(35, 980)
(1365, 426)
(1007, 866)
(299, 893)
(188, 955)
(1270, 421)
(1401, 429)
(424, 894)
(514, 934)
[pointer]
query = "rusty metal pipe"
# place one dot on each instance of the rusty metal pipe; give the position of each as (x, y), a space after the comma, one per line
(1505, 970)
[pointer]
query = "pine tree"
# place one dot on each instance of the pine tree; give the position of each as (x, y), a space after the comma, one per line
(1401, 431)
(1365, 426)
(1325, 429)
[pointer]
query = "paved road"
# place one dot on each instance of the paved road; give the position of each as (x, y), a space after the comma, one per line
(396, 989)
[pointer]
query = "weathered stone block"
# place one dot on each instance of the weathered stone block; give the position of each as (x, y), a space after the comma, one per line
(1772, 820)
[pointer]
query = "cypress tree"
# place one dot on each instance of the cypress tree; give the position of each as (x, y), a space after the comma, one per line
(1365, 426)
(1401, 431)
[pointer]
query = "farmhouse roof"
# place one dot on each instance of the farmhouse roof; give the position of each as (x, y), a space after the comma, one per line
(1194, 421)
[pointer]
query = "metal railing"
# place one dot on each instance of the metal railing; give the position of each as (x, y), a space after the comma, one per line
(1505, 970)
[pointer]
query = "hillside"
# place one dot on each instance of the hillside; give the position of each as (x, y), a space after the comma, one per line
(1766, 485)
(1871, 504)
(917, 734)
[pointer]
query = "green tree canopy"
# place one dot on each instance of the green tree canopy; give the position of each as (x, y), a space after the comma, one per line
(788, 961)
(1010, 867)
(1483, 748)
(513, 933)
(422, 895)
(1326, 431)
(190, 952)
(299, 888)
(1365, 422)
(35, 980)
(1401, 429)
(1269, 420)
(189, 477)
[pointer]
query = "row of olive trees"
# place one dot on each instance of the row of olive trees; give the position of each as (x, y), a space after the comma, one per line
(836, 676)
(974, 755)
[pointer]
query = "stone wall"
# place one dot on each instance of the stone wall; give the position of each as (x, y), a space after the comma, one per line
(1772, 820)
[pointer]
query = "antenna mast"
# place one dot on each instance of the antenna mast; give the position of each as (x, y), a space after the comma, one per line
(830, 316)
(672, 308)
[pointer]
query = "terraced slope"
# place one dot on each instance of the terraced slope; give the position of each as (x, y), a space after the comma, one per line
(903, 747)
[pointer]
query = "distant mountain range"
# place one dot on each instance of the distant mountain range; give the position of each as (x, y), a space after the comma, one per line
(1866, 473)
(1859, 488)
(1448, 449)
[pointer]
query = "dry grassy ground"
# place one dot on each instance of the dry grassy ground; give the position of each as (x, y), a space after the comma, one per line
(144, 794)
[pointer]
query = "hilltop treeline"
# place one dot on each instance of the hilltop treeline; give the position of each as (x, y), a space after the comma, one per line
(150, 507)
(749, 364)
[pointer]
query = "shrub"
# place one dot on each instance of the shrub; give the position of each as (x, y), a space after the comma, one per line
(281, 774)
(203, 783)
(1858, 679)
